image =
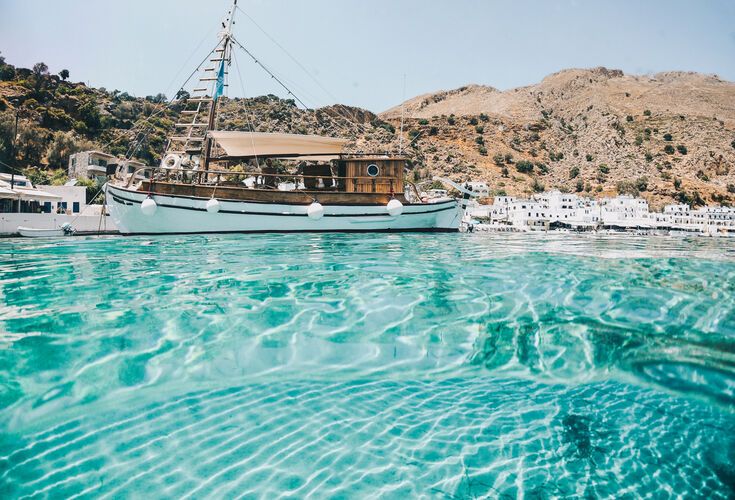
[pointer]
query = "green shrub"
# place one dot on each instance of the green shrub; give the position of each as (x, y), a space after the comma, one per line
(433, 131)
(498, 159)
(629, 118)
(37, 176)
(479, 140)
(681, 149)
(733, 144)
(508, 158)
(588, 157)
(482, 150)
(537, 186)
(627, 187)
(604, 169)
(451, 120)
(473, 121)
(638, 140)
(731, 188)
(580, 186)
(641, 183)
(573, 172)
(702, 175)
(646, 112)
(669, 149)
(677, 183)
(542, 168)
(484, 117)
(479, 129)
(667, 137)
(504, 172)
(524, 167)
(649, 156)
(423, 121)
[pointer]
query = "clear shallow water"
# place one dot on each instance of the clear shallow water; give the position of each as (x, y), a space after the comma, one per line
(367, 365)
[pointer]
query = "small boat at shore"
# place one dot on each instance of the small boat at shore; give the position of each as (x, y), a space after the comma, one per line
(216, 181)
(31, 232)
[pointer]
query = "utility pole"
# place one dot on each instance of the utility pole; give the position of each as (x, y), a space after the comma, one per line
(12, 152)
(13, 162)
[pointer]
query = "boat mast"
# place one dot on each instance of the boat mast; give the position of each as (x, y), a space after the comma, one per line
(224, 50)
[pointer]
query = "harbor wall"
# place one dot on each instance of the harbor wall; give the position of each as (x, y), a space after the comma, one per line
(9, 222)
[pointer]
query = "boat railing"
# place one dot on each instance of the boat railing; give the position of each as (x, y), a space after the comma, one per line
(225, 177)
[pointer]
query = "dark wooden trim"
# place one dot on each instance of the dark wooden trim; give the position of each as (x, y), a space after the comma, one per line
(354, 198)
(124, 200)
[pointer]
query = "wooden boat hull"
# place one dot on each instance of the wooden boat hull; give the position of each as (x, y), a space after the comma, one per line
(178, 214)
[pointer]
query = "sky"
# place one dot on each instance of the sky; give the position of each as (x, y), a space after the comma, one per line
(366, 53)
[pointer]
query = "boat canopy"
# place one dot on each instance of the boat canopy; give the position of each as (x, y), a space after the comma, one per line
(269, 145)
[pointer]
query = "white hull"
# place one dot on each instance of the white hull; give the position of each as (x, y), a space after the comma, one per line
(179, 214)
(30, 232)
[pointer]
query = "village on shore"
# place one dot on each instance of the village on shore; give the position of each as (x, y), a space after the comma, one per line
(555, 210)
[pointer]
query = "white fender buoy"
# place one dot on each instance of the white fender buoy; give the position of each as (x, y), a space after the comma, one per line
(315, 211)
(148, 207)
(213, 206)
(394, 207)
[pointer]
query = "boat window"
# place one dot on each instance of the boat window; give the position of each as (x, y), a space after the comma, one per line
(373, 170)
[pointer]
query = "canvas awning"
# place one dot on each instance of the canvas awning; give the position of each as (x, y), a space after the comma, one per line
(251, 144)
(8, 194)
(36, 194)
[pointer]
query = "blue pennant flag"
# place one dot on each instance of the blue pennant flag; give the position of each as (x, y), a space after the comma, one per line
(220, 88)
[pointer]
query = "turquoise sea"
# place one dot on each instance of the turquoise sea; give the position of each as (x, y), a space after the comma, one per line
(354, 366)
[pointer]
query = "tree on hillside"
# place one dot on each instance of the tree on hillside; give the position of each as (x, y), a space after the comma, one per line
(64, 74)
(7, 72)
(62, 146)
(40, 70)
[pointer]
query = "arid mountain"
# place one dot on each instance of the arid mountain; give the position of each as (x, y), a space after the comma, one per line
(669, 136)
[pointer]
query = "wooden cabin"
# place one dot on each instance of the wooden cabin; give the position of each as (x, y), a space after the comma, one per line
(371, 175)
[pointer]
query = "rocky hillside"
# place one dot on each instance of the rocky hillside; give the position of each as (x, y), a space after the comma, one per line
(57, 117)
(669, 136)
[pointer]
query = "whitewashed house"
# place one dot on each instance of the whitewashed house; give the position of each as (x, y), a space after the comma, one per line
(626, 212)
(481, 188)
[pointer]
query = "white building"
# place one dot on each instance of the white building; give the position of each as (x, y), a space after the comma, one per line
(47, 207)
(98, 165)
(555, 209)
(90, 165)
(625, 211)
(530, 214)
(481, 188)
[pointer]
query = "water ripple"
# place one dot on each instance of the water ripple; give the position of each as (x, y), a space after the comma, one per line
(378, 365)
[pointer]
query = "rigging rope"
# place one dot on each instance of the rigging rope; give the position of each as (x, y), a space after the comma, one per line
(351, 118)
(247, 111)
(255, 59)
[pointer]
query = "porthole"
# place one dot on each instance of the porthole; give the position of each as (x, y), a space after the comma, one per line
(373, 170)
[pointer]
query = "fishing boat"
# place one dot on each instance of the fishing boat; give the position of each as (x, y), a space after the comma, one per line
(217, 181)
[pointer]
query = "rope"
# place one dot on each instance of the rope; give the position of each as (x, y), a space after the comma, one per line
(255, 59)
(352, 117)
(247, 113)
